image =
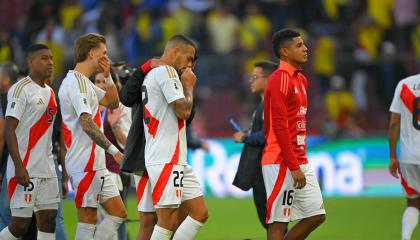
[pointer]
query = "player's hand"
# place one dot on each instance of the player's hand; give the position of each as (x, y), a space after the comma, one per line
(394, 165)
(118, 157)
(65, 184)
(156, 62)
(299, 179)
(105, 66)
(114, 116)
(239, 137)
(22, 175)
(188, 78)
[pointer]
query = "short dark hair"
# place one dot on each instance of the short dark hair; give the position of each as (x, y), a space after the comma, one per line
(268, 67)
(10, 70)
(185, 40)
(281, 37)
(35, 48)
(85, 43)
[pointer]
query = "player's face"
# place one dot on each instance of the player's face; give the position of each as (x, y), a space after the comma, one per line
(100, 80)
(99, 53)
(258, 81)
(185, 59)
(41, 63)
(297, 52)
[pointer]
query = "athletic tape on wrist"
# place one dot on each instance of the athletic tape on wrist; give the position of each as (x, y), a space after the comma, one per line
(112, 150)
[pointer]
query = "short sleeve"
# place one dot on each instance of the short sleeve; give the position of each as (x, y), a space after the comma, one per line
(79, 100)
(16, 103)
(396, 101)
(170, 84)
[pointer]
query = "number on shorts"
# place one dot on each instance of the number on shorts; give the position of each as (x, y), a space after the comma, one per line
(103, 181)
(49, 115)
(177, 175)
(288, 197)
(30, 188)
(416, 112)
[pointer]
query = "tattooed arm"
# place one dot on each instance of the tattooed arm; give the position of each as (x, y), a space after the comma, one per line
(92, 130)
(184, 105)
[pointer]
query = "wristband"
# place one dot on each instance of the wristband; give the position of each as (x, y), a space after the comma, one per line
(112, 150)
(109, 80)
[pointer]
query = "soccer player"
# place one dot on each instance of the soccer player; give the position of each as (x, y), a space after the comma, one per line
(83, 131)
(167, 103)
(405, 125)
(293, 191)
(31, 176)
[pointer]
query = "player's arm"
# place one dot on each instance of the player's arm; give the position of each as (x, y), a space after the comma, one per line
(280, 89)
(65, 176)
(130, 93)
(183, 106)
(93, 131)
(21, 173)
(393, 135)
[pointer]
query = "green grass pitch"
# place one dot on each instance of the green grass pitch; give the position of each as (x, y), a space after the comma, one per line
(236, 219)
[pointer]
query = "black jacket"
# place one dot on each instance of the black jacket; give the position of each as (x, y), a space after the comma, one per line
(130, 96)
(250, 161)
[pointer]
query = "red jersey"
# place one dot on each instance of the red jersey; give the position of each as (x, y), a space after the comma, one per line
(285, 106)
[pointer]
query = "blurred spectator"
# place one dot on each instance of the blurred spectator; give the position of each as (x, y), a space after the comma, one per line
(223, 29)
(405, 14)
(339, 103)
(389, 72)
(323, 62)
(381, 12)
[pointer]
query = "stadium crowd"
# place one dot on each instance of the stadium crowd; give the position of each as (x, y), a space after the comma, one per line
(369, 45)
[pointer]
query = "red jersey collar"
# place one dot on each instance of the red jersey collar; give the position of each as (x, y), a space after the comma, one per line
(291, 70)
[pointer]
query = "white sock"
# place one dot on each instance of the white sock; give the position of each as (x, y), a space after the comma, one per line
(188, 229)
(409, 222)
(160, 233)
(85, 231)
(107, 229)
(46, 236)
(5, 234)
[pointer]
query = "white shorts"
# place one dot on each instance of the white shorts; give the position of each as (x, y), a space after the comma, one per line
(284, 202)
(410, 179)
(172, 184)
(144, 193)
(93, 188)
(41, 194)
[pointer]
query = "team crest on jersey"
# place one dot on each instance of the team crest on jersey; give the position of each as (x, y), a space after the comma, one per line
(28, 197)
(178, 193)
(286, 212)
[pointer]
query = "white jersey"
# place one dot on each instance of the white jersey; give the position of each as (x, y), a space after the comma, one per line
(164, 132)
(79, 95)
(406, 102)
(35, 108)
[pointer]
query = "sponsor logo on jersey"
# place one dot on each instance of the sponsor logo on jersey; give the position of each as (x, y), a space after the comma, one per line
(302, 111)
(40, 102)
(301, 124)
(301, 139)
